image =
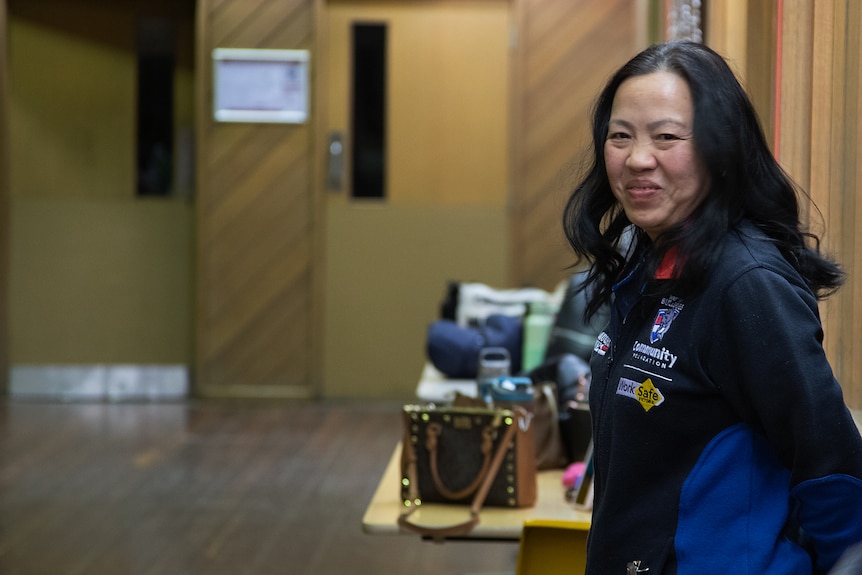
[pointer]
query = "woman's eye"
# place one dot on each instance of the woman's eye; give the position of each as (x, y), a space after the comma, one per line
(618, 136)
(667, 137)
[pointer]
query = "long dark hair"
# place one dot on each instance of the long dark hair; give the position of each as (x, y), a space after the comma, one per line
(746, 182)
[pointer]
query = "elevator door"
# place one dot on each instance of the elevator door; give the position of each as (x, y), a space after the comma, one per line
(443, 170)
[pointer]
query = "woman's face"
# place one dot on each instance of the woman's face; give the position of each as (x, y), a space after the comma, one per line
(653, 167)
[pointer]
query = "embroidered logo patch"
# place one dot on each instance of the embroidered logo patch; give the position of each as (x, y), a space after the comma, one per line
(603, 344)
(662, 322)
(646, 393)
(662, 358)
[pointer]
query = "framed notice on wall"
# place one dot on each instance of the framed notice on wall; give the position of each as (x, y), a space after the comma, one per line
(252, 85)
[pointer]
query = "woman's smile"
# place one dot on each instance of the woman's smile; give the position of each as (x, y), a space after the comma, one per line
(642, 190)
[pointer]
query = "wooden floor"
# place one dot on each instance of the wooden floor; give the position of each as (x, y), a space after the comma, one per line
(207, 488)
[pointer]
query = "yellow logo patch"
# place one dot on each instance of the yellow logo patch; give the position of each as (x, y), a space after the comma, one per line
(648, 395)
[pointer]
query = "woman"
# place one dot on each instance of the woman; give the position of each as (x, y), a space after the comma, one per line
(722, 442)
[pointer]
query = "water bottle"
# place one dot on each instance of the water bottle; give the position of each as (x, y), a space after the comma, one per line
(537, 330)
(494, 362)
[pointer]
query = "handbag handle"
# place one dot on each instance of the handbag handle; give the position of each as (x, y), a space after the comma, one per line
(432, 439)
(478, 500)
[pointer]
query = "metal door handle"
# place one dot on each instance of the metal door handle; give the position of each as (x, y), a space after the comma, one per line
(335, 167)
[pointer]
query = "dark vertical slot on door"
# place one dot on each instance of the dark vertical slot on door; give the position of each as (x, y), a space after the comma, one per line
(368, 158)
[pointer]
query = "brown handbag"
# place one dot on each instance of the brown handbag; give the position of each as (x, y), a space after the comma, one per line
(550, 449)
(465, 455)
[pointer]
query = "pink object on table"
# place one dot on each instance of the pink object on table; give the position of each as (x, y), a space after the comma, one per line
(573, 473)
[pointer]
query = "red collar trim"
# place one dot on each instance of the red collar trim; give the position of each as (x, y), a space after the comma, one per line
(668, 268)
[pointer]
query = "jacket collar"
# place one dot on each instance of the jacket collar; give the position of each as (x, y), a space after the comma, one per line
(670, 267)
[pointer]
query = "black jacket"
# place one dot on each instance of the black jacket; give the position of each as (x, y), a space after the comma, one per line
(722, 441)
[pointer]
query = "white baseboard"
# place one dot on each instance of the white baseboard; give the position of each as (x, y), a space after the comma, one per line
(99, 382)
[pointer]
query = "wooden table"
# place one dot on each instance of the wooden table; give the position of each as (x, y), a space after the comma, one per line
(381, 516)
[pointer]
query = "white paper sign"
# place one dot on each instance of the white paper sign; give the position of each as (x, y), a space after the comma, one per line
(260, 85)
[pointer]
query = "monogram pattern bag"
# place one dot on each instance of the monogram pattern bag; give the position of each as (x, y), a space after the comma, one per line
(466, 455)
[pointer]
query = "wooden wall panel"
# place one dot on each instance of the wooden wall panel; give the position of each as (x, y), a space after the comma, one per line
(818, 135)
(4, 198)
(256, 304)
(565, 53)
(852, 376)
(835, 153)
